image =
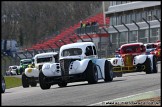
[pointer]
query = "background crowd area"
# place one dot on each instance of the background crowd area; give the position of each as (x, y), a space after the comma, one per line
(88, 24)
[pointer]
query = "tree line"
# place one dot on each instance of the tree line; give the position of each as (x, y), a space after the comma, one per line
(30, 21)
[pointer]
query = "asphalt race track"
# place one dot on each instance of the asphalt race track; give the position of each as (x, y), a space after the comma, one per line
(81, 93)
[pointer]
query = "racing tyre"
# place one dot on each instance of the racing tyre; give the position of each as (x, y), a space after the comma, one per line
(25, 82)
(33, 84)
(147, 65)
(21, 71)
(108, 71)
(62, 84)
(154, 64)
(42, 82)
(3, 87)
(17, 72)
(92, 74)
(11, 73)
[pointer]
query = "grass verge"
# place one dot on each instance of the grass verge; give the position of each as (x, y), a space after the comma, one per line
(12, 82)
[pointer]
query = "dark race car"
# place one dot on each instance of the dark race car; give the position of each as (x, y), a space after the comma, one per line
(3, 84)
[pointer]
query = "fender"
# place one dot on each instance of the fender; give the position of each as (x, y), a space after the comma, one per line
(53, 69)
(151, 58)
(139, 59)
(78, 66)
(31, 72)
(116, 61)
(101, 64)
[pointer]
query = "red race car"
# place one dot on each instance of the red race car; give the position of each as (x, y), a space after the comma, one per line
(157, 51)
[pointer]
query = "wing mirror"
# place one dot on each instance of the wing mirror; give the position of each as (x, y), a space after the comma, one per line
(116, 51)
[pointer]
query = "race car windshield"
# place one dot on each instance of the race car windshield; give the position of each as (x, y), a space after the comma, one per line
(130, 49)
(151, 46)
(47, 59)
(71, 52)
(27, 62)
(14, 67)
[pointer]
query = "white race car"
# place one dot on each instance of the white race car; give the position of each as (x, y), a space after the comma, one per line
(77, 62)
(30, 76)
(12, 70)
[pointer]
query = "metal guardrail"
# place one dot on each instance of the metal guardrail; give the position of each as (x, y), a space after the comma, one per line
(87, 29)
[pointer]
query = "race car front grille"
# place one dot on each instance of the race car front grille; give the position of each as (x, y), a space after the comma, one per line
(124, 69)
(64, 64)
(128, 60)
(40, 67)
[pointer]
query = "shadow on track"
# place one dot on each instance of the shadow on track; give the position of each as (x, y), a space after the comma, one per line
(84, 84)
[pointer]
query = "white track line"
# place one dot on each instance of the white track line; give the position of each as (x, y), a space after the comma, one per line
(139, 96)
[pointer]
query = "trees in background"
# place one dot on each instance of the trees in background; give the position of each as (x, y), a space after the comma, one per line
(30, 21)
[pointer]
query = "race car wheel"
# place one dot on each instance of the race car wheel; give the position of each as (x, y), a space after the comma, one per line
(17, 72)
(147, 65)
(21, 71)
(11, 73)
(42, 82)
(108, 71)
(25, 82)
(33, 84)
(3, 87)
(62, 84)
(154, 64)
(92, 74)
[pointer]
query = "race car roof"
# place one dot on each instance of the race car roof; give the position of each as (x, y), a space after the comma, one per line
(132, 44)
(77, 45)
(45, 54)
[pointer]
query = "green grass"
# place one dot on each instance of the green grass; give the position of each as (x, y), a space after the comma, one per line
(12, 82)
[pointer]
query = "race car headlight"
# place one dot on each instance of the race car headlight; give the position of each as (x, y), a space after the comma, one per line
(115, 61)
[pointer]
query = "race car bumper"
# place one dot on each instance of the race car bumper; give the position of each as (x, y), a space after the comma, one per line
(124, 68)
